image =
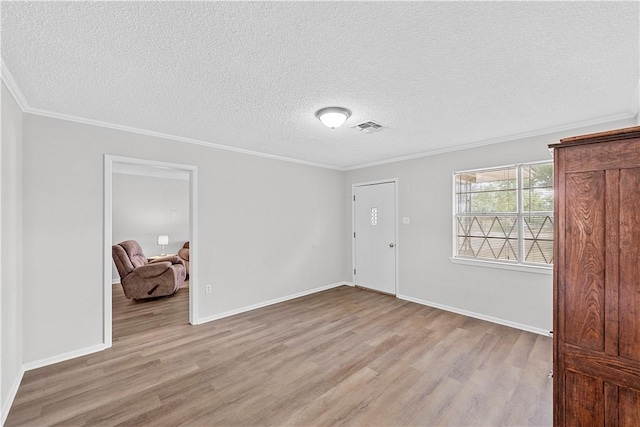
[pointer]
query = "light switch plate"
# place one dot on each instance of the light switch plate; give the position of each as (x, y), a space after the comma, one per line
(406, 220)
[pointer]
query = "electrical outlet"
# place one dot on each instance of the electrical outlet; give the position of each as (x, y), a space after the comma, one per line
(207, 289)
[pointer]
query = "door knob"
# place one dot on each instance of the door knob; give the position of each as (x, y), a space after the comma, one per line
(391, 245)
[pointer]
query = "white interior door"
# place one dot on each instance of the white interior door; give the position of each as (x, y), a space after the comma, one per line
(375, 236)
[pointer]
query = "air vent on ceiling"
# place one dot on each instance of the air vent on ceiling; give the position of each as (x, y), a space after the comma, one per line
(369, 127)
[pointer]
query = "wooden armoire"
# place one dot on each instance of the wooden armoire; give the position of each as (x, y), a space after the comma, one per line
(596, 323)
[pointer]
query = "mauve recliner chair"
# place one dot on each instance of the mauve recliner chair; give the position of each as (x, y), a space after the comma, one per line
(143, 279)
(184, 254)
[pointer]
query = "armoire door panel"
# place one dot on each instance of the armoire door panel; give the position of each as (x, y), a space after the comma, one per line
(585, 260)
(628, 407)
(584, 400)
(629, 294)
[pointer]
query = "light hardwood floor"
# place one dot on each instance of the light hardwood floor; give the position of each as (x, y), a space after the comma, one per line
(340, 357)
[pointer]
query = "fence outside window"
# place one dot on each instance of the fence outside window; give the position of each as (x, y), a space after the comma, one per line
(505, 214)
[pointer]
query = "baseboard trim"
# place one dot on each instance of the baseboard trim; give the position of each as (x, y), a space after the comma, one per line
(475, 315)
(6, 405)
(63, 357)
(270, 302)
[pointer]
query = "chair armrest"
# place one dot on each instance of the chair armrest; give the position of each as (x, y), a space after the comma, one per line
(152, 269)
(173, 259)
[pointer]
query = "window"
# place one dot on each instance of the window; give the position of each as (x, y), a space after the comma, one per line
(505, 214)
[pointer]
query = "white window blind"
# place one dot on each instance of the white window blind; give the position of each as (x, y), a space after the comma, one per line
(505, 214)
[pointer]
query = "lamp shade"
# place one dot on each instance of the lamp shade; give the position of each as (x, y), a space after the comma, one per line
(163, 239)
(333, 117)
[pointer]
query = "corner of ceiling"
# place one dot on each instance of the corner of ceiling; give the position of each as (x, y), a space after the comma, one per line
(8, 80)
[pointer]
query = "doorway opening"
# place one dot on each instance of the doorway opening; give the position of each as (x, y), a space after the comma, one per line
(119, 167)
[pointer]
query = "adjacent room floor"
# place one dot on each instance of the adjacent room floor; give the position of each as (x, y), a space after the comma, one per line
(340, 357)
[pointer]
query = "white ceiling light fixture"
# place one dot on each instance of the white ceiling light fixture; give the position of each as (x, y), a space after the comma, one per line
(333, 117)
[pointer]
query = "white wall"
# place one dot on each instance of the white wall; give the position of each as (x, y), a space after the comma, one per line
(11, 241)
(142, 207)
(425, 245)
(267, 228)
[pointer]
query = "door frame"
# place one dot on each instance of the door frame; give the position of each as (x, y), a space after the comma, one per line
(395, 181)
(109, 160)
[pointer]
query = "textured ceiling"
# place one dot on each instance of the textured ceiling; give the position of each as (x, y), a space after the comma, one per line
(251, 75)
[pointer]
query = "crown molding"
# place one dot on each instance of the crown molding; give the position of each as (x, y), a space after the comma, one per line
(131, 129)
(514, 137)
(8, 80)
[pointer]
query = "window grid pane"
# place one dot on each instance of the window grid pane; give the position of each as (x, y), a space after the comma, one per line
(492, 237)
(538, 238)
(488, 220)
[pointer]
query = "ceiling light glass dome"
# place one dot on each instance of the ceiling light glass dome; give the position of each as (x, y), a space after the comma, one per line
(333, 117)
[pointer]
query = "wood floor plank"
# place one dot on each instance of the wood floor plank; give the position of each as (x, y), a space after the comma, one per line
(340, 357)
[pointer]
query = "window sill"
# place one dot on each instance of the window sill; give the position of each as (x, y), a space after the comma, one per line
(504, 265)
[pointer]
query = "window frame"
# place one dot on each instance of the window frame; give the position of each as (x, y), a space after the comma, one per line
(519, 264)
